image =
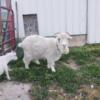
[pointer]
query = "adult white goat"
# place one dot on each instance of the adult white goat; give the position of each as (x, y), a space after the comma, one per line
(37, 47)
(4, 60)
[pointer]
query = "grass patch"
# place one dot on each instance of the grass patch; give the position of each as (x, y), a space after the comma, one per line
(90, 74)
(66, 78)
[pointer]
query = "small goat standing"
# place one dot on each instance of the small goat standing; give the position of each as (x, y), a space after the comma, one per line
(4, 60)
(37, 47)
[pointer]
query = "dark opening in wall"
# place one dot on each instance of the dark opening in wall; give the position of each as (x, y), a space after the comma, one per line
(30, 24)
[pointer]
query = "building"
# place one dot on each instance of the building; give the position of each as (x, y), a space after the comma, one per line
(81, 18)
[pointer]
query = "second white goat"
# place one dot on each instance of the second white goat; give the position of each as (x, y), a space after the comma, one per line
(4, 60)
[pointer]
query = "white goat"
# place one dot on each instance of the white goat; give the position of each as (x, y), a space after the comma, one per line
(37, 47)
(4, 60)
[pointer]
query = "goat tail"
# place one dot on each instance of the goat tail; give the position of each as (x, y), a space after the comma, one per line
(20, 45)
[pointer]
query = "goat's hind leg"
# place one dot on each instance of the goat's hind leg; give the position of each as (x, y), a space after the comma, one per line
(37, 62)
(26, 62)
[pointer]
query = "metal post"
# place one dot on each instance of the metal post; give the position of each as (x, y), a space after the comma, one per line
(87, 21)
(16, 5)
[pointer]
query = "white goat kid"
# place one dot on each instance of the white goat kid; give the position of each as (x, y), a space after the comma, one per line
(4, 60)
(37, 47)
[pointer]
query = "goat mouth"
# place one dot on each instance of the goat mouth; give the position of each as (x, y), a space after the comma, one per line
(64, 47)
(60, 48)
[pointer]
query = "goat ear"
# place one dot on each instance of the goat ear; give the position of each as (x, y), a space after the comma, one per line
(12, 51)
(68, 35)
(56, 34)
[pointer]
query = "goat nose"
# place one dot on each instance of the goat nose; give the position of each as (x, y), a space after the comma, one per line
(64, 46)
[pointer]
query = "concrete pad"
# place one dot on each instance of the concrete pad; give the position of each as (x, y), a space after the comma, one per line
(15, 91)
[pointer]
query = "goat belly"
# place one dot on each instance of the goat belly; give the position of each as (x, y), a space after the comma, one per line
(1, 69)
(39, 53)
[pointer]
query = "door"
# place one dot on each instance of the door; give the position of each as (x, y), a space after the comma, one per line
(30, 24)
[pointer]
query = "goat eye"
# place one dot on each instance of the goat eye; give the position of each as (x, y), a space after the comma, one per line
(59, 39)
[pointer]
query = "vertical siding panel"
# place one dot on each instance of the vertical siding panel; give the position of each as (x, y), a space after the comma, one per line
(61, 10)
(76, 17)
(48, 16)
(82, 16)
(41, 17)
(69, 15)
(56, 16)
(91, 21)
(97, 19)
(20, 18)
(28, 6)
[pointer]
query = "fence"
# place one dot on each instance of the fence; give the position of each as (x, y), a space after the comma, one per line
(7, 30)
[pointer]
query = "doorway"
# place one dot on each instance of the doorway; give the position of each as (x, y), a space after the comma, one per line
(30, 24)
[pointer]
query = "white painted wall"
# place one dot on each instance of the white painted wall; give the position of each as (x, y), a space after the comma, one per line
(76, 16)
(54, 15)
(93, 21)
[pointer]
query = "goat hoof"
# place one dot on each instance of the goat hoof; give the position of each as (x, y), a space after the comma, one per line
(48, 67)
(53, 70)
(9, 79)
(37, 62)
(27, 68)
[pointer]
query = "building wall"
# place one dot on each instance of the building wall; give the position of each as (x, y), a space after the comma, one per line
(74, 16)
(54, 15)
(93, 21)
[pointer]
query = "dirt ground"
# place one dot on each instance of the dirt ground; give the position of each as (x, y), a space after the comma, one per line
(86, 92)
(14, 91)
(21, 91)
(10, 90)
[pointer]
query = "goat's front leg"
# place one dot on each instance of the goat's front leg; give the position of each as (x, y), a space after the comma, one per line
(7, 72)
(26, 62)
(53, 68)
(51, 64)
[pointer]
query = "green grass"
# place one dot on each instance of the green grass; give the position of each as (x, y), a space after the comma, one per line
(66, 78)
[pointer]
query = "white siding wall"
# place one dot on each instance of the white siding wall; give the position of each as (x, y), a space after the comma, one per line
(76, 16)
(51, 16)
(24, 7)
(54, 15)
(15, 21)
(93, 21)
